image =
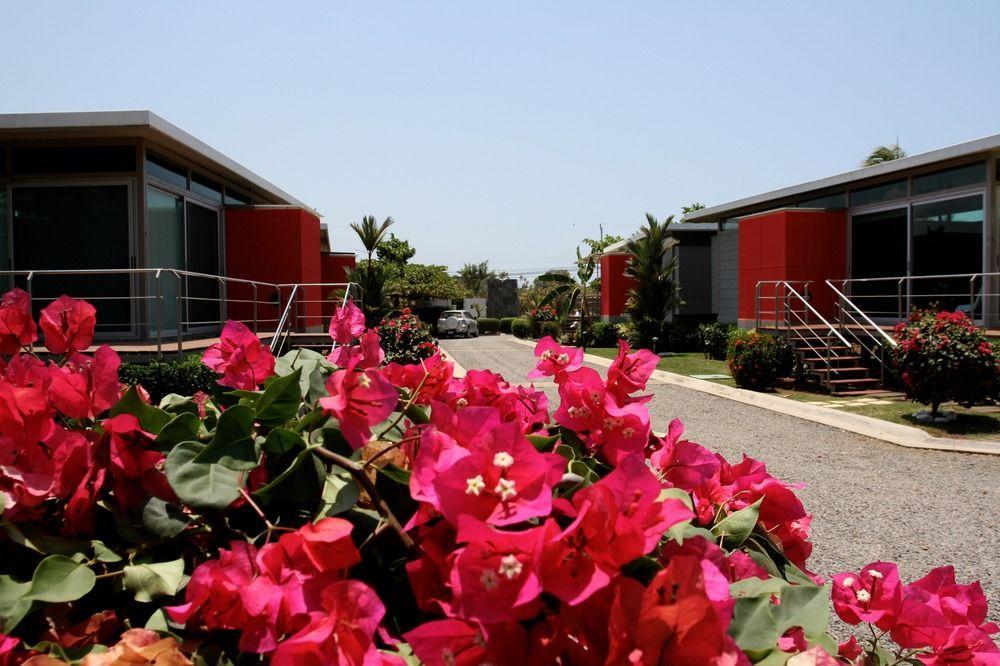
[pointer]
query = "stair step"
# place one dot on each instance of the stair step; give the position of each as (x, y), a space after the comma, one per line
(860, 380)
(823, 359)
(841, 369)
(879, 393)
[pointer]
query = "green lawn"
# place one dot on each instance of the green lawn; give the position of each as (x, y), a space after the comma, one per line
(976, 423)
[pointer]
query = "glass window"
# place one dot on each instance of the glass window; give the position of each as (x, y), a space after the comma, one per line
(235, 198)
(165, 217)
(78, 227)
(205, 187)
(970, 174)
(878, 250)
(157, 167)
(4, 244)
(947, 240)
(879, 193)
(73, 159)
(838, 200)
(202, 257)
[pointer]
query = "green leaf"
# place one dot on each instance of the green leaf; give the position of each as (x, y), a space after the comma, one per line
(13, 605)
(677, 494)
(164, 520)
(543, 443)
(232, 446)
(314, 370)
(104, 554)
(148, 581)
(396, 474)
(151, 418)
(752, 626)
(286, 452)
(182, 427)
(158, 622)
(58, 579)
(340, 492)
(805, 606)
(737, 526)
(199, 484)
(281, 399)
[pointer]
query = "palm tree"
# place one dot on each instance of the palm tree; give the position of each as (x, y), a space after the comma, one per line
(372, 276)
(567, 291)
(883, 154)
(474, 276)
(655, 292)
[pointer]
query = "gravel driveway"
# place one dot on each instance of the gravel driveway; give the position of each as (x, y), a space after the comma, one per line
(870, 500)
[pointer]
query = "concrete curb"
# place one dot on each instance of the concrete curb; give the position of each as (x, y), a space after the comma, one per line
(894, 433)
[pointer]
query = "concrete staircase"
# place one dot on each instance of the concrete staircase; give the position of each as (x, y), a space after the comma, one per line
(826, 361)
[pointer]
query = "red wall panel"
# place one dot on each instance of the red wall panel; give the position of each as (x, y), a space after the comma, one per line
(614, 285)
(793, 245)
(278, 245)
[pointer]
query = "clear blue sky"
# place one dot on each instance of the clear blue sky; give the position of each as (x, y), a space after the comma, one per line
(508, 131)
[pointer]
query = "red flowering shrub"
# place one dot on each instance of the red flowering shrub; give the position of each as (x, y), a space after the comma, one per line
(357, 512)
(942, 357)
(406, 339)
(757, 360)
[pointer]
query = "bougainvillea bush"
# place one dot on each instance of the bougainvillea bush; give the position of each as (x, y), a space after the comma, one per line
(943, 356)
(406, 339)
(345, 510)
(757, 360)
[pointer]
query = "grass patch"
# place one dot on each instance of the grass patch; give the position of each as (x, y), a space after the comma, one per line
(691, 363)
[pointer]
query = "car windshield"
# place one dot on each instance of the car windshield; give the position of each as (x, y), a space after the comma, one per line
(451, 313)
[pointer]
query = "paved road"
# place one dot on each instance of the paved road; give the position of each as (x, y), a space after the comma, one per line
(870, 500)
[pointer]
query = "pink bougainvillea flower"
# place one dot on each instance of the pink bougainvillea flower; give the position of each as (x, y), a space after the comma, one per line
(629, 372)
(581, 401)
(347, 323)
(555, 359)
(681, 618)
(871, 596)
(493, 578)
(850, 649)
(136, 467)
(501, 479)
(428, 380)
(455, 642)
(17, 327)
(963, 645)
(342, 631)
(367, 353)
(936, 604)
(240, 357)
(359, 399)
(138, 646)
(86, 386)
(68, 325)
(624, 430)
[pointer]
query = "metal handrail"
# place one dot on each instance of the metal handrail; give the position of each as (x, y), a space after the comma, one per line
(815, 312)
(843, 299)
(280, 332)
(906, 295)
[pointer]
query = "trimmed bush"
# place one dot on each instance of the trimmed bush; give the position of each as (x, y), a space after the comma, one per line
(714, 339)
(628, 332)
(601, 334)
(521, 328)
(550, 328)
(184, 376)
(942, 357)
(505, 323)
(756, 361)
(488, 326)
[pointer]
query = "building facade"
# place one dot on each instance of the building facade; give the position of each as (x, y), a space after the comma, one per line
(92, 203)
(916, 231)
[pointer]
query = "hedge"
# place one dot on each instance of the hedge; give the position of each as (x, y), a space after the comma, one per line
(489, 325)
(505, 323)
(551, 328)
(184, 376)
(521, 328)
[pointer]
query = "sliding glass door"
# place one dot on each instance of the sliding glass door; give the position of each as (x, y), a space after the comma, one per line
(202, 244)
(165, 217)
(76, 227)
(878, 250)
(947, 239)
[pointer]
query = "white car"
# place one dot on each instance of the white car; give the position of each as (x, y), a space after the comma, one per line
(458, 322)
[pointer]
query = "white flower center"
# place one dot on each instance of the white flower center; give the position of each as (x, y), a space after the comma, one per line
(475, 485)
(562, 359)
(506, 489)
(462, 402)
(364, 380)
(503, 460)
(628, 432)
(547, 354)
(848, 582)
(874, 574)
(863, 596)
(510, 567)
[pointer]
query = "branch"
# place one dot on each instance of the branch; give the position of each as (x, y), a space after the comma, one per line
(365, 482)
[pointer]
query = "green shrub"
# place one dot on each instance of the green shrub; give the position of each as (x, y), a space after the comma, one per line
(184, 376)
(505, 324)
(488, 325)
(714, 339)
(756, 361)
(406, 339)
(550, 328)
(942, 356)
(601, 334)
(628, 332)
(521, 328)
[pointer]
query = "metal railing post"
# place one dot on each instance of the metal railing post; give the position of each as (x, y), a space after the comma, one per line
(178, 309)
(31, 301)
(756, 305)
(253, 286)
(972, 299)
(899, 299)
(159, 316)
(223, 301)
